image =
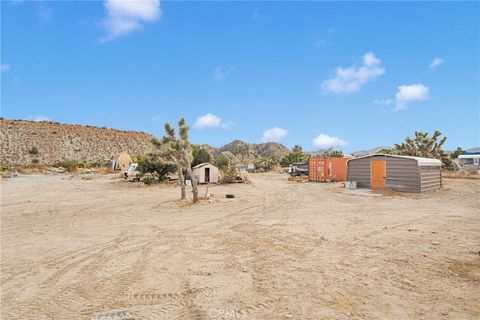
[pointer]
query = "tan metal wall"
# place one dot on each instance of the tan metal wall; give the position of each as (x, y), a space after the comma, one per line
(359, 170)
(431, 178)
(401, 173)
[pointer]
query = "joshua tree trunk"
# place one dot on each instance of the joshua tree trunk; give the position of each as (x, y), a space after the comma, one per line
(182, 183)
(192, 178)
(185, 146)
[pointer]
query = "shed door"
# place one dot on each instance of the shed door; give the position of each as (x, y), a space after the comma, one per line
(378, 173)
(207, 175)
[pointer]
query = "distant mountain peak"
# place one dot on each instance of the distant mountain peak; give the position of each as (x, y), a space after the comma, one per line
(367, 152)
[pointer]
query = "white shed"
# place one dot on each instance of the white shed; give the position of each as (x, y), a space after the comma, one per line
(206, 173)
(469, 161)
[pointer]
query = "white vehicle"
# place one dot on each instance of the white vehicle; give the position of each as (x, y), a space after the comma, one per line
(132, 174)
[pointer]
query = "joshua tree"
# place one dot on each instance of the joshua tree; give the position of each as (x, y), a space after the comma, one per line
(170, 148)
(422, 146)
(297, 149)
(296, 155)
(331, 153)
(185, 148)
(456, 153)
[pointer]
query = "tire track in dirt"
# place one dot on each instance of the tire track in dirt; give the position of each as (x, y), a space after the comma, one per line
(86, 262)
(53, 261)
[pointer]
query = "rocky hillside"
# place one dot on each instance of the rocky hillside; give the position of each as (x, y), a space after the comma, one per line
(26, 142)
(250, 151)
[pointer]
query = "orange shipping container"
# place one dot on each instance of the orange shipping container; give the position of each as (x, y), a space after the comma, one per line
(327, 169)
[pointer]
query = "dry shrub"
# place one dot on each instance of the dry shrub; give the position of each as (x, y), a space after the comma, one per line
(463, 174)
(69, 165)
(105, 170)
(301, 178)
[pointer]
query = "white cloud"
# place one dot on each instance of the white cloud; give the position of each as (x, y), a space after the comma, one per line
(39, 117)
(436, 63)
(44, 13)
(221, 73)
(208, 121)
(409, 93)
(274, 134)
(124, 16)
(385, 102)
(5, 67)
(325, 141)
(351, 79)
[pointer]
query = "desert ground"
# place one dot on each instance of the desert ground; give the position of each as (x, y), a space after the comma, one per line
(106, 249)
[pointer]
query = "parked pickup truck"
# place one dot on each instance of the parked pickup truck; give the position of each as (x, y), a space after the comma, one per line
(298, 169)
(132, 174)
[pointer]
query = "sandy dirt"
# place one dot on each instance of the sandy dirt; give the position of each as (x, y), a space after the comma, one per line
(105, 249)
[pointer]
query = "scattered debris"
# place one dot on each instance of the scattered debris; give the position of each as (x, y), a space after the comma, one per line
(361, 192)
(301, 178)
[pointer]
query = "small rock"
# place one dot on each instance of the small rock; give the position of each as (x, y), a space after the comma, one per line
(408, 282)
(244, 269)
(435, 243)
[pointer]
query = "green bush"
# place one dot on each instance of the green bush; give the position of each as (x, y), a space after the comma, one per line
(69, 165)
(200, 155)
(99, 164)
(221, 161)
(229, 173)
(155, 165)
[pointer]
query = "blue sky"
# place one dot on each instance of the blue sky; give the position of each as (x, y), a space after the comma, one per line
(349, 75)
